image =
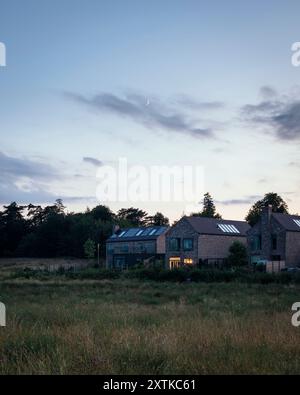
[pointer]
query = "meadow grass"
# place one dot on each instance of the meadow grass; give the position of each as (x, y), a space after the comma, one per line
(127, 326)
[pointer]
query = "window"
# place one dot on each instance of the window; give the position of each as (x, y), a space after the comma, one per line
(174, 244)
(174, 262)
(141, 247)
(130, 232)
(150, 247)
(256, 243)
(110, 248)
(274, 242)
(140, 232)
(152, 232)
(276, 258)
(147, 231)
(124, 248)
(120, 262)
(188, 261)
(226, 228)
(297, 222)
(188, 244)
(122, 233)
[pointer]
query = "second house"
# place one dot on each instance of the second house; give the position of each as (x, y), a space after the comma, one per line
(199, 240)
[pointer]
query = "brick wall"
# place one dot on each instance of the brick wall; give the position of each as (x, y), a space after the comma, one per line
(293, 249)
(214, 246)
(161, 244)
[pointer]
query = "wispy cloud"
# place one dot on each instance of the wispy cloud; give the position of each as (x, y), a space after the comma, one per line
(93, 161)
(193, 104)
(152, 113)
(245, 200)
(279, 113)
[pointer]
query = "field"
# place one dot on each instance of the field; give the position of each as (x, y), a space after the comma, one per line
(129, 326)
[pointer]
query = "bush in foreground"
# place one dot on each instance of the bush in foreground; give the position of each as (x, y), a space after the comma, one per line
(161, 275)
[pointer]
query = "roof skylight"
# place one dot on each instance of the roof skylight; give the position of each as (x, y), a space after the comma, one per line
(140, 232)
(297, 222)
(226, 228)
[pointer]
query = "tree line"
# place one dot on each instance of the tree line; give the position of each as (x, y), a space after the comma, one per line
(36, 231)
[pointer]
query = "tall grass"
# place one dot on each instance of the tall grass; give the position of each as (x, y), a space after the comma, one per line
(133, 327)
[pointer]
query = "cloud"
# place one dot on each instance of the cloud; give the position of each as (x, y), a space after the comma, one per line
(280, 114)
(21, 180)
(267, 92)
(93, 161)
(262, 181)
(294, 164)
(246, 200)
(151, 113)
(17, 167)
(191, 103)
(28, 181)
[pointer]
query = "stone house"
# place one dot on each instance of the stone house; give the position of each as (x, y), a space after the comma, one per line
(276, 237)
(200, 240)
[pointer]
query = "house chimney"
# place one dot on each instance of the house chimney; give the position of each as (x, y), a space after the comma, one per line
(266, 213)
(116, 229)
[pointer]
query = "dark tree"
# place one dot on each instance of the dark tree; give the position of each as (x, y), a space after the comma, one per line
(103, 213)
(237, 254)
(278, 206)
(209, 208)
(133, 216)
(36, 231)
(13, 226)
(158, 219)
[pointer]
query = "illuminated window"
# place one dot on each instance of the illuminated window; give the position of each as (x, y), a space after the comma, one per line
(174, 262)
(188, 261)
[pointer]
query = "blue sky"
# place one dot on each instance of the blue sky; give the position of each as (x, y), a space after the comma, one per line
(217, 76)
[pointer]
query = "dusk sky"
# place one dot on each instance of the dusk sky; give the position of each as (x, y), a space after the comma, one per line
(160, 82)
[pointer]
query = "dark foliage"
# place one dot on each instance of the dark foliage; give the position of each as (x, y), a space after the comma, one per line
(161, 275)
(271, 198)
(209, 209)
(49, 232)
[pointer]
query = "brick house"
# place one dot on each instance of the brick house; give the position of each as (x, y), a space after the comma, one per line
(276, 237)
(131, 246)
(200, 240)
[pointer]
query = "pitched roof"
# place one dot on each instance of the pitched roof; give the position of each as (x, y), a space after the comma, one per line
(211, 226)
(288, 221)
(136, 234)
